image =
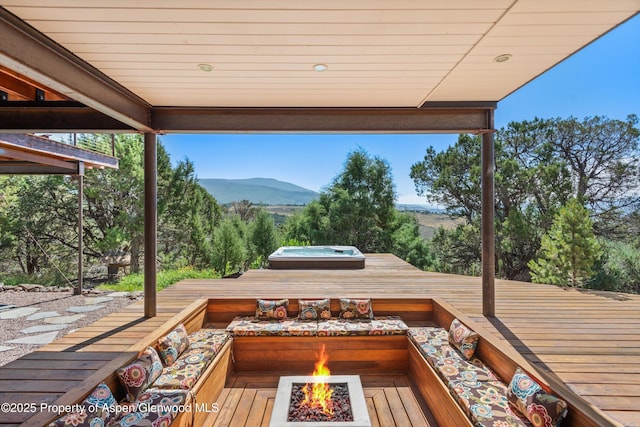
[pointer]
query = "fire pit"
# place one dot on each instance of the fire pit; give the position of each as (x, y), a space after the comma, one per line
(320, 400)
(283, 411)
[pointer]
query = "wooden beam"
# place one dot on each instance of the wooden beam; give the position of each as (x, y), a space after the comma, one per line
(150, 223)
(12, 76)
(30, 53)
(17, 89)
(441, 119)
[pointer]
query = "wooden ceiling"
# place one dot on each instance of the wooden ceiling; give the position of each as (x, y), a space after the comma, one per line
(261, 53)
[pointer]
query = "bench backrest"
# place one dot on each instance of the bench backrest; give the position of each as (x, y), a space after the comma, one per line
(221, 311)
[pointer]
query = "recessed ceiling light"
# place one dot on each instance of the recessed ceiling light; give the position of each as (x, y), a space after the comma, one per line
(320, 67)
(502, 58)
(205, 67)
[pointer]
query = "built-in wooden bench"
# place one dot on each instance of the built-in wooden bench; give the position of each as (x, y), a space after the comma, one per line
(502, 360)
(206, 389)
(347, 354)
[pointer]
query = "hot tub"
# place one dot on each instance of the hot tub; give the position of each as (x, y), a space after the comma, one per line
(316, 257)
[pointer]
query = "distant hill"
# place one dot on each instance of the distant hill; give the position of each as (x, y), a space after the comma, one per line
(266, 191)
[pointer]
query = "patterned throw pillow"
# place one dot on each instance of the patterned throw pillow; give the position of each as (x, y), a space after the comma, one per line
(172, 345)
(97, 410)
(271, 309)
(463, 338)
(155, 408)
(314, 309)
(359, 309)
(541, 408)
(140, 373)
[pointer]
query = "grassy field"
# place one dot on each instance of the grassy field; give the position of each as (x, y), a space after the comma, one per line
(429, 222)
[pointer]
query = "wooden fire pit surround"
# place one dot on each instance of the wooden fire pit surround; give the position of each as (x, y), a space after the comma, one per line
(416, 344)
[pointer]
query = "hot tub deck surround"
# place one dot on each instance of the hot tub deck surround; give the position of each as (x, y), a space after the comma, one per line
(581, 342)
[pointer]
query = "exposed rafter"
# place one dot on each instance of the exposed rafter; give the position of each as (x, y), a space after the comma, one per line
(33, 55)
(21, 88)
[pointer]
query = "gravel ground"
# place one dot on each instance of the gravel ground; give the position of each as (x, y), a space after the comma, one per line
(48, 301)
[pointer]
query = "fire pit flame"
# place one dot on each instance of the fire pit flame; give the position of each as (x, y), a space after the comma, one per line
(318, 394)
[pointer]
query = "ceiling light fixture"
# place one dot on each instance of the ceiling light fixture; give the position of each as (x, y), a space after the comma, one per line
(320, 67)
(205, 67)
(502, 58)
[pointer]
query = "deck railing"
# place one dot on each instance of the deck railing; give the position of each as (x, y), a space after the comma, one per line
(102, 146)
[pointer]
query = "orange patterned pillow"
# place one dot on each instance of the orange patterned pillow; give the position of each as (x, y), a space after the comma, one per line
(359, 309)
(463, 338)
(271, 309)
(314, 309)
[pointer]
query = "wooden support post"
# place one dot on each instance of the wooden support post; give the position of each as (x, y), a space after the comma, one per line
(150, 223)
(78, 289)
(488, 232)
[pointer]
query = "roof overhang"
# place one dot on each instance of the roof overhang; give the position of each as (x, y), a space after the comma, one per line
(24, 154)
(393, 67)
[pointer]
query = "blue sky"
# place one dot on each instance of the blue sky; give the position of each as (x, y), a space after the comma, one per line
(602, 79)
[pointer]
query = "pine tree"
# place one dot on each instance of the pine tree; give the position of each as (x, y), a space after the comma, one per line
(263, 236)
(569, 250)
(228, 247)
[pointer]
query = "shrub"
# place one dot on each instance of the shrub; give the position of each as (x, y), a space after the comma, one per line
(135, 282)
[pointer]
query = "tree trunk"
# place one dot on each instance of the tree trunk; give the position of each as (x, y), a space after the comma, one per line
(136, 247)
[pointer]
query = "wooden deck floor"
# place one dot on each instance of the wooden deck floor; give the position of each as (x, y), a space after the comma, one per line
(587, 342)
(248, 401)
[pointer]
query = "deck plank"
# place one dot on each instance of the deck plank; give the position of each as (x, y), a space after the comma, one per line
(587, 340)
(390, 401)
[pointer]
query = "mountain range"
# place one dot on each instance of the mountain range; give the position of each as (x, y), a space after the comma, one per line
(265, 191)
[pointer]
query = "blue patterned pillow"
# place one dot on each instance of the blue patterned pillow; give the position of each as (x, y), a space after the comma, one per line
(540, 407)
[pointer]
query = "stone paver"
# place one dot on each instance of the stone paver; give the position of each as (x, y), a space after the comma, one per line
(96, 300)
(85, 309)
(43, 315)
(4, 348)
(118, 294)
(17, 312)
(63, 319)
(43, 328)
(40, 339)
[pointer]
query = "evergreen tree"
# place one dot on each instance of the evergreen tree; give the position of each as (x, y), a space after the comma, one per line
(228, 247)
(262, 236)
(357, 209)
(569, 250)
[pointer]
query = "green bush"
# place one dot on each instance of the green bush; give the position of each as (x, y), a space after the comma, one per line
(165, 278)
(44, 280)
(619, 270)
